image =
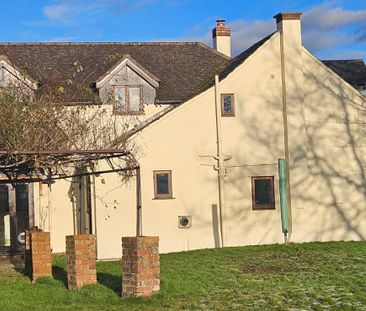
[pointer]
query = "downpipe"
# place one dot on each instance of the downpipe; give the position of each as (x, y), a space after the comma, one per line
(220, 167)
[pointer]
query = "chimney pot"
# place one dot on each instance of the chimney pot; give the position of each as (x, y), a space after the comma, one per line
(220, 22)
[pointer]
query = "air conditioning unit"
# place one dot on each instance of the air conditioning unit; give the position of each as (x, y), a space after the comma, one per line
(184, 221)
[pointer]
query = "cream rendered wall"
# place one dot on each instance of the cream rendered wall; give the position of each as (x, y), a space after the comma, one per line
(54, 212)
(326, 136)
(115, 214)
(222, 44)
(253, 140)
(333, 192)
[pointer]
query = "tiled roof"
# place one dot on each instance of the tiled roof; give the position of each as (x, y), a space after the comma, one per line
(73, 68)
(184, 68)
(353, 71)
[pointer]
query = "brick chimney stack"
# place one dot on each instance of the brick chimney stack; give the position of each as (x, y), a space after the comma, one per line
(222, 37)
(290, 25)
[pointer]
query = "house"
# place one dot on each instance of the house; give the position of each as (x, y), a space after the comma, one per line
(210, 129)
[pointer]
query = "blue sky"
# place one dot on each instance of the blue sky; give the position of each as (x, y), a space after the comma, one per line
(331, 29)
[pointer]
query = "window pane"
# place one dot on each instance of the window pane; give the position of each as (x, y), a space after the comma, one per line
(135, 98)
(162, 183)
(4, 200)
(227, 103)
(263, 192)
(22, 198)
(120, 99)
(22, 204)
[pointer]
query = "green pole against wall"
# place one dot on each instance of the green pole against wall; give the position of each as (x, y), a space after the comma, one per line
(282, 172)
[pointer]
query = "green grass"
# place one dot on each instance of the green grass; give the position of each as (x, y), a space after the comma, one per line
(313, 276)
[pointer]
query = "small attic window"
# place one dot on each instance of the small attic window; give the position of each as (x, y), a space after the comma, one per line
(227, 105)
(127, 99)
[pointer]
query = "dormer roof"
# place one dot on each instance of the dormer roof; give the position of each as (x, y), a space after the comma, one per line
(127, 60)
(19, 74)
(351, 70)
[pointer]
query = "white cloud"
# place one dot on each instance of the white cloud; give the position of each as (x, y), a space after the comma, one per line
(323, 27)
(327, 17)
(72, 11)
(56, 11)
(69, 11)
(62, 39)
(326, 27)
(354, 54)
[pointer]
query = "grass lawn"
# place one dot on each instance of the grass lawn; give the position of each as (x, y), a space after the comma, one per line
(314, 276)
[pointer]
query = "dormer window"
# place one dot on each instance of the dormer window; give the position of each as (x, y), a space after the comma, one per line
(128, 86)
(127, 99)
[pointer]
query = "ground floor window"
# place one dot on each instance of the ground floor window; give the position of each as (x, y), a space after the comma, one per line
(16, 215)
(263, 192)
(163, 184)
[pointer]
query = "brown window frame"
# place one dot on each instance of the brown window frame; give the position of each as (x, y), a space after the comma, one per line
(127, 98)
(232, 112)
(169, 195)
(257, 207)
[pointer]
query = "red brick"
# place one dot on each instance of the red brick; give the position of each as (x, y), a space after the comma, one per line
(141, 266)
(38, 262)
(81, 260)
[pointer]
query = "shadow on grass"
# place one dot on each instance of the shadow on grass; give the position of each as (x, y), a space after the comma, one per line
(110, 281)
(59, 274)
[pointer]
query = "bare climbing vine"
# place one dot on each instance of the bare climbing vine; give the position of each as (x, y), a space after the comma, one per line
(40, 138)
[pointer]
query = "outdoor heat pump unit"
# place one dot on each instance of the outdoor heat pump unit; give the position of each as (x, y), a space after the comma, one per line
(184, 221)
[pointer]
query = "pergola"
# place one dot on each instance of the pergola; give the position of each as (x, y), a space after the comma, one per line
(46, 166)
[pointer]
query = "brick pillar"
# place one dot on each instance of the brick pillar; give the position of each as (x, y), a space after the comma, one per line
(38, 254)
(81, 260)
(28, 252)
(141, 266)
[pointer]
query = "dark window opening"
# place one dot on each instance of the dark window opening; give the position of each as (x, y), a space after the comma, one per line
(22, 207)
(163, 184)
(4, 199)
(263, 192)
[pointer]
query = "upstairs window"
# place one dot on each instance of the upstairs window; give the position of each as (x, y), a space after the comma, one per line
(227, 105)
(263, 193)
(127, 99)
(163, 184)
